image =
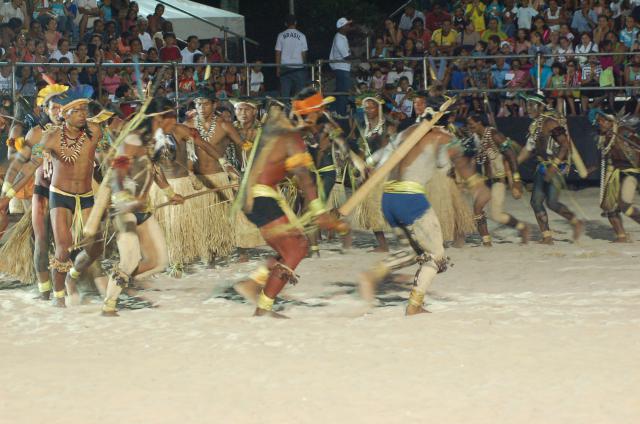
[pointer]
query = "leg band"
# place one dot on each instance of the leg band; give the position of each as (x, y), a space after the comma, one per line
(74, 273)
(486, 239)
(547, 234)
(110, 305)
(44, 287)
(121, 278)
(59, 294)
(265, 302)
(480, 219)
(416, 298)
(573, 221)
(260, 275)
(62, 267)
(286, 274)
(630, 210)
(520, 226)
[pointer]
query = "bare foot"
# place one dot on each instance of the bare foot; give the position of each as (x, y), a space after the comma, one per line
(243, 258)
(458, 242)
(381, 249)
(622, 239)
(367, 287)
(415, 310)
(487, 244)
(546, 240)
(59, 303)
(524, 235)
(578, 228)
(74, 299)
(43, 296)
(248, 289)
(110, 314)
(264, 313)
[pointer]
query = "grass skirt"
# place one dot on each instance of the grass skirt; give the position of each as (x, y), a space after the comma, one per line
(453, 210)
(17, 252)
(368, 214)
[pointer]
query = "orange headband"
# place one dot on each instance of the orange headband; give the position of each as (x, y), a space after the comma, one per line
(308, 105)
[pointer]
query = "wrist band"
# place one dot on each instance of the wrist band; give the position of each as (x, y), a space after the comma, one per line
(316, 207)
(516, 177)
(168, 191)
(6, 186)
(556, 161)
(10, 193)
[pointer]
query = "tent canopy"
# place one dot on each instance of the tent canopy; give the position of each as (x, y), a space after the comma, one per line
(184, 25)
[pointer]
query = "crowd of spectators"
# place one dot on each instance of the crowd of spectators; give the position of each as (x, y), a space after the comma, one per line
(467, 30)
(109, 33)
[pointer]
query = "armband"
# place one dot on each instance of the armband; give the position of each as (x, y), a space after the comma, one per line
(516, 177)
(556, 161)
(6, 186)
(299, 160)
(20, 158)
(316, 207)
(474, 180)
(10, 193)
(168, 191)
(335, 133)
(122, 197)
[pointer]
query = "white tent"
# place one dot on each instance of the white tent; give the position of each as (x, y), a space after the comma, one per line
(184, 25)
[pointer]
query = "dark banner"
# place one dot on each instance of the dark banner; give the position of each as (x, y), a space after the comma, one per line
(584, 136)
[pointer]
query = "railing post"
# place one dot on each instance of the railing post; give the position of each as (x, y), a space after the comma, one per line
(246, 67)
(538, 78)
(368, 46)
(177, 87)
(226, 45)
(425, 74)
(13, 85)
(313, 74)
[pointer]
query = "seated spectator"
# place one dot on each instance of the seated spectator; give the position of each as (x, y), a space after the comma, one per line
(458, 19)
(129, 21)
(445, 38)
(81, 54)
(469, 37)
(403, 99)
(216, 55)
(89, 75)
(143, 34)
(190, 50)
(35, 30)
(508, 26)
(156, 20)
(493, 30)
(256, 80)
(26, 84)
(63, 51)
(379, 50)
(97, 29)
(556, 82)
(170, 52)
(494, 10)
(15, 9)
(153, 55)
(629, 33)
(136, 50)
(110, 30)
(187, 83)
(398, 72)
(538, 48)
(480, 79)
(378, 80)
(585, 46)
(392, 35)
(123, 44)
(565, 50)
(525, 14)
(126, 97)
(106, 11)
(601, 29)
(88, 12)
(566, 32)
(499, 72)
(572, 78)
(541, 27)
(435, 18)
(522, 43)
(418, 33)
(111, 80)
(590, 72)
(110, 52)
(632, 74)
(554, 15)
(474, 12)
(51, 34)
(517, 79)
(408, 18)
(584, 19)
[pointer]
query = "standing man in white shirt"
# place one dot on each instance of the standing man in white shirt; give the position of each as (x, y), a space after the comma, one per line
(525, 13)
(340, 51)
(144, 36)
(291, 52)
(191, 49)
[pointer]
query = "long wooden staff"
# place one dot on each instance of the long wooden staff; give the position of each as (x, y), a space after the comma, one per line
(201, 193)
(405, 147)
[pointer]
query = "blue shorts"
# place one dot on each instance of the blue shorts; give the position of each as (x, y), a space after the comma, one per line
(402, 209)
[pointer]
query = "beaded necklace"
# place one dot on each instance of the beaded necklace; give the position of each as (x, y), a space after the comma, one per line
(70, 147)
(206, 135)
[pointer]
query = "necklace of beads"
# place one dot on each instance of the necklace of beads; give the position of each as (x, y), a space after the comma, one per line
(71, 147)
(206, 135)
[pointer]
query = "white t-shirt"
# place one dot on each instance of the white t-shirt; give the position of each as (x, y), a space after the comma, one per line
(406, 23)
(340, 50)
(5, 83)
(291, 44)
(57, 54)
(86, 4)
(187, 56)
(394, 76)
(525, 14)
(7, 11)
(147, 41)
(256, 79)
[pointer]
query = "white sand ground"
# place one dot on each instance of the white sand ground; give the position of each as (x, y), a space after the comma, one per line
(533, 334)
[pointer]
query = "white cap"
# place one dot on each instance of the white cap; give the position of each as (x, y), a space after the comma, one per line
(342, 22)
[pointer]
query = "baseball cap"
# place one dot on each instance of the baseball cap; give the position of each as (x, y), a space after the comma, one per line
(342, 22)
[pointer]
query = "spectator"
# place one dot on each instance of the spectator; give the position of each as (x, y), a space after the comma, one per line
(445, 38)
(566, 32)
(35, 30)
(572, 79)
(538, 48)
(418, 33)
(15, 9)
(518, 79)
(111, 80)
(493, 29)
(106, 11)
(51, 35)
(143, 35)
(170, 52)
(137, 51)
(409, 16)
(399, 71)
(458, 20)
(291, 53)
(96, 29)
(126, 98)
(153, 55)
(403, 99)
(216, 55)
(556, 82)
(392, 35)
(565, 50)
(110, 53)
(26, 85)
(256, 79)
(89, 75)
(525, 14)
(629, 33)
(435, 18)
(508, 27)
(590, 72)
(5, 79)
(584, 19)
(340, 51)
(88, 13)
(554, 15)
(541, 27)
(190, 50)
(585, 46)
(379, 50)
(475, 13)
(499, 71)
(40, 52)
(81, 54)
(494, 10)
(110, 30)
(378, 80)
(62, 51)
(469, 37)
(156, 20)
(601, 29)
(632, 74)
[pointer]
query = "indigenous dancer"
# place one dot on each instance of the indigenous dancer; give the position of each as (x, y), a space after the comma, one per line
(283, 151)
(406, 208)
(28, 160)
(69, 154)
(376, 134)
(549, 139)
(495, 154)
(216, 237)
(140, 240)
(448, 202)
(619, 145)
